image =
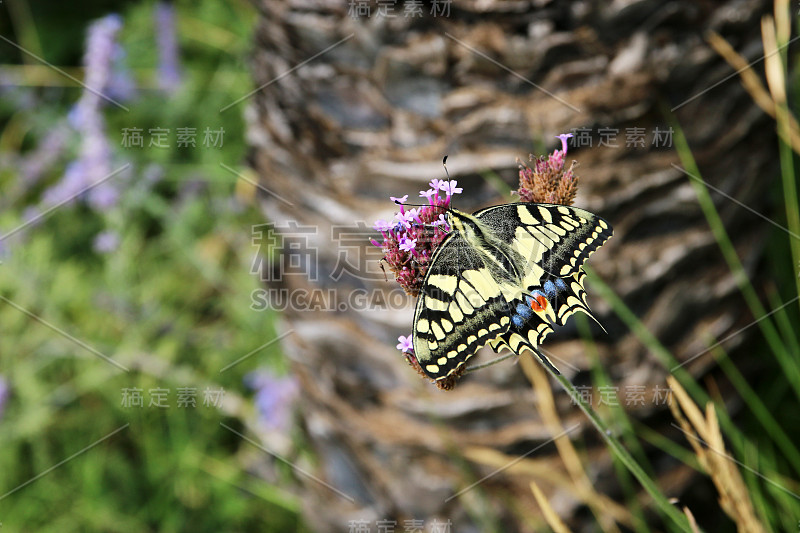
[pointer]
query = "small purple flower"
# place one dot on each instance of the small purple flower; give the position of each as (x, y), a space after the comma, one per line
(450, 187)
(382, 226)
(45, 155)
(564, 137)
(407, 244)
(275, 398)
(71, 183)
(106, 242)
(435, 184)
(401, 200)
(406, 218)
(406, 344)
(440, 221)
(104, 196)
(5, 392)
(429, 194)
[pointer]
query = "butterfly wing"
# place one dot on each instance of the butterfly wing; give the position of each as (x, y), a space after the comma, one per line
(460, 308)
(549, 244)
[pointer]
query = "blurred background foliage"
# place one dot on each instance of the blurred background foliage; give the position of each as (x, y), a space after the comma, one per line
(154, 274)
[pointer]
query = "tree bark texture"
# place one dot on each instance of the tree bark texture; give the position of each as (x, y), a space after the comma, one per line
(336, 133)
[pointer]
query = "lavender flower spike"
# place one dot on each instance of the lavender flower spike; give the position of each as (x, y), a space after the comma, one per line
(94, 162)
(4, 394)
(169, 76)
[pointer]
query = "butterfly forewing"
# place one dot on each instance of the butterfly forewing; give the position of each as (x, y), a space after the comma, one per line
(460, 308)
(553, 240)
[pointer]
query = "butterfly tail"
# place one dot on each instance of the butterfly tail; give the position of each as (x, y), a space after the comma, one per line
(544, 359)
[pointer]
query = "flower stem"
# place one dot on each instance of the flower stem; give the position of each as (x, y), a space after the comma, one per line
(624, 456)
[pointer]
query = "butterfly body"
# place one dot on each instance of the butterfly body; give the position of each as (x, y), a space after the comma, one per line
(504, 276)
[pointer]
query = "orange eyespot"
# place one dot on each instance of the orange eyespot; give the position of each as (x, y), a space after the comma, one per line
(539, 303)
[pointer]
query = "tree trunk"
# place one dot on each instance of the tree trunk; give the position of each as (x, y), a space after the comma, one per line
(380, 100)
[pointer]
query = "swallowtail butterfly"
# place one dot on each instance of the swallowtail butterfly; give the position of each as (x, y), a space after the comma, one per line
(504, 276)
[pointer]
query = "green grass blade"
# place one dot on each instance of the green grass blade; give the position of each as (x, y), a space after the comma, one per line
(789, 364)
(619, 451)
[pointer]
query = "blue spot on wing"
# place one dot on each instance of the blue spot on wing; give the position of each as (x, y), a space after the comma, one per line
(550, 289)
(523, 310)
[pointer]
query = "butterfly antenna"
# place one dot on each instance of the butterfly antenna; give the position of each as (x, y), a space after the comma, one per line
(444, 164)
(413, 205)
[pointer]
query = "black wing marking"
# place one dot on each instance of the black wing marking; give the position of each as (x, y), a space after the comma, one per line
(561, 237)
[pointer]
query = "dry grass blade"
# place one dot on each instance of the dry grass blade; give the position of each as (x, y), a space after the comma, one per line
(692, 521)
(607, 512)
(706, 440)
(550, 515)
(783, 20)
(772, 61)
(545, 470)
(542, 469)
(752, 83)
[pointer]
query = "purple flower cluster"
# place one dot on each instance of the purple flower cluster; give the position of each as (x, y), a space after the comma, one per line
(410, 239)
(547, 182)
(275, 398)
